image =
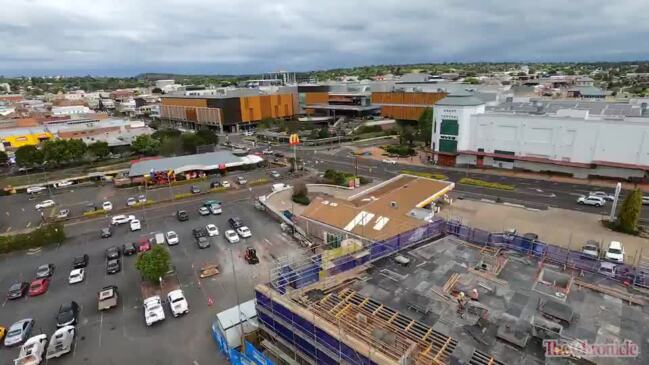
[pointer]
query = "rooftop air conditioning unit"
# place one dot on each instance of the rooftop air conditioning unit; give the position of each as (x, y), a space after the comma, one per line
(393, 204)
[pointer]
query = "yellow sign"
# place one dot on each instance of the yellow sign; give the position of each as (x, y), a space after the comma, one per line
(294, 139)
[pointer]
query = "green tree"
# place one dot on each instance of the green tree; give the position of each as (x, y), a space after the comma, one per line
(471, 81)
(153, 264)
(189, 142)
(207, 136)
(170, 146)
(99, 149)
(29, 156)
(627, 220)
(4, 158)
(61, 151)
(145, 145)
(425, 126)
(323, 133)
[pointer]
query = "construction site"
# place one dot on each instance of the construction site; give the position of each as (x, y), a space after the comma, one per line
(443, 293)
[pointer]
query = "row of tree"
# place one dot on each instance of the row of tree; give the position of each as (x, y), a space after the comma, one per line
(172, 142)
(61, 152)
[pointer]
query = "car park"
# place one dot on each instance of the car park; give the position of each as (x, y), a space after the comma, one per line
(60, 342)
(225, 184)
(107, 206)
(19, 332)
(113, 266)
(153, 311)
(182, 215)
(68, 314)
(135, 225)
(231, 236)
(63, 213)
(591, 200)
(35, 189)
(615, 252)
(177, 303)
(116, 220)
(112, 252)
(131, 202)
(45, 271)
(241, 180)
(194, 189)
(603, 195)
(204, 211)
(39, 287)
(17, 290)
(106, 232)
(80, 261)
(31, 352)
(172, 238)
(591, 249)
(212, 230)
(76, 276)
(44, 204)
(129, 249)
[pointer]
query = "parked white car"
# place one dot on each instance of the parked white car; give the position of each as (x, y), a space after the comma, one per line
(607, 268)
(225, 184)
(135, 225)
(45, 204)
(131, 202)
(615, 252)
(153, 311)
(645, 200)
(231, 236)
(591, 200)
(35, 189)
(60, 342)
(76, 276)
(212, 230)
(107, 206)
(31, 352)
(63, 184)
(172, 238)
(122, 219)
(244, 232)
(177, 302)
(389, 161)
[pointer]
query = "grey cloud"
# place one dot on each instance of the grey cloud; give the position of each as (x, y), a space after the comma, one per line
(220, 36)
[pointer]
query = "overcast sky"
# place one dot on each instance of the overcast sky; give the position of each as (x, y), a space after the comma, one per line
(127, 37)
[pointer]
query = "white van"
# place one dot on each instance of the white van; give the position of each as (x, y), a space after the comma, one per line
(280, 186)
(159, 238)
(615, 252)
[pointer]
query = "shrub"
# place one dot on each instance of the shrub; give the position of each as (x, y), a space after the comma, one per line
(46, 235)
(94, 213)
(261, 181)
(183, 195)
(400, 150)
(627, 220)
(301, 199)
(364, 180)
(429, 175)
(220, 189)
(485, 184)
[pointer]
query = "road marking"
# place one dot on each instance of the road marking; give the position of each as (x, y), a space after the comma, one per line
(23, 209)
(267, 241)
(8, 229)
(7, 213)
(101, 325)
(28, 224)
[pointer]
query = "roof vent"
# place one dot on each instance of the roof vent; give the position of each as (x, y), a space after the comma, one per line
(325, 202)
(393, 204)
(333, 204)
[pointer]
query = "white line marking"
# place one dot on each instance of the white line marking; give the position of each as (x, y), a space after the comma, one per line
(101, 325)
(267, 241)
(28, 224)
(8, 229)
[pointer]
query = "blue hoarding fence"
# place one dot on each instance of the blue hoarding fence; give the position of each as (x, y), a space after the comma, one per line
(250, 356)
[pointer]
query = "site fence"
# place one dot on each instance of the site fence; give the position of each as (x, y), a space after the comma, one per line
(300, 273)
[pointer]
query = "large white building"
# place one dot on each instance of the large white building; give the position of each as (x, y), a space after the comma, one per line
(580, 139)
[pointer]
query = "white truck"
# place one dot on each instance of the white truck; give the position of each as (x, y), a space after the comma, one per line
(31, 352)
(107, 298)
(60, 342)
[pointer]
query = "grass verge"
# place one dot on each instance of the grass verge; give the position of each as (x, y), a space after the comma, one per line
(485, 184)
(429, 175)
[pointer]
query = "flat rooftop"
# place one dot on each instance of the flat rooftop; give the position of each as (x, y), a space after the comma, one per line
(417, 301)
(382, 211)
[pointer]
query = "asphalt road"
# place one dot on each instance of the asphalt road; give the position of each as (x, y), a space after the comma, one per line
(532, 193)
(17, 211)
(120, 335)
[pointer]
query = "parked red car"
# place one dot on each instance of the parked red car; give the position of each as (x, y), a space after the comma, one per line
(143, 245)
(38, 287)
